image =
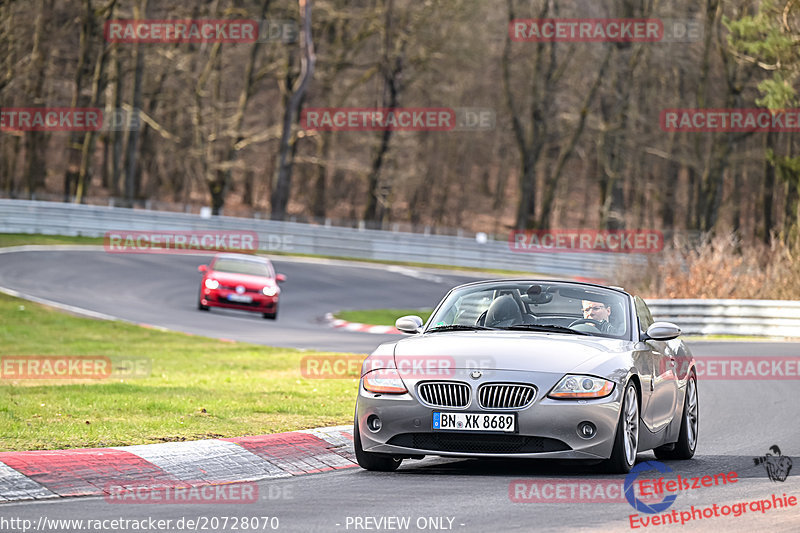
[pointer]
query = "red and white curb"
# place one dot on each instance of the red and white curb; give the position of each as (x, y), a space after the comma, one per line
(356, 326)
(82, 472)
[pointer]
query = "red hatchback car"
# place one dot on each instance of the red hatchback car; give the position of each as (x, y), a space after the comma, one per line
(236, 281)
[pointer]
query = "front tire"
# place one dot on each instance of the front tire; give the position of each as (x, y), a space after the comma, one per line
(377, 462)
(626, 443)
(690, 425)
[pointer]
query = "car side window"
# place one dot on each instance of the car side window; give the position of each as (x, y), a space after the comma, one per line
(643, 314)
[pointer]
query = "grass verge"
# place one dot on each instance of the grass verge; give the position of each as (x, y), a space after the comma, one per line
(197, 388)
(23, 239)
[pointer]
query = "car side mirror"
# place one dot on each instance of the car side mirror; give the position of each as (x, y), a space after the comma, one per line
(663, 331)
(280, 278)
(409, 324)
(202, 268)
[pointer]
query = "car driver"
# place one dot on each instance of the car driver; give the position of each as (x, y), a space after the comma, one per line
(597, 311)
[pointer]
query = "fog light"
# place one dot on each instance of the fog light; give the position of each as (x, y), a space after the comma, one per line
(374, 423)
(587, 430)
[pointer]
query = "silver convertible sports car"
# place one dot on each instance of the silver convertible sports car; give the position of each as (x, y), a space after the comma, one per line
(529, 369)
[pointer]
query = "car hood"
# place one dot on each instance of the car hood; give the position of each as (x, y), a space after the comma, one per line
(512, 350)
(229, 278)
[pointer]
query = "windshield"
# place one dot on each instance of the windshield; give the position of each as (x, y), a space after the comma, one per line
(535, 306)
(237, 266)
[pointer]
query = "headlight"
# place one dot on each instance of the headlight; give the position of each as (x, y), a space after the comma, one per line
(269, 291)
(212, 283)
(582, 387)
(385, 380)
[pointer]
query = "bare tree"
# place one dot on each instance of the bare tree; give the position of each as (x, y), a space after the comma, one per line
(75, 145)
(292, 103)
(98, 81)
(131, 153)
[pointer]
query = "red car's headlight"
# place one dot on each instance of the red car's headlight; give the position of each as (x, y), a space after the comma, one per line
(211, 283)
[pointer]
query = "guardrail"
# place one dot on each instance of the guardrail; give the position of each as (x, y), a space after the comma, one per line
(704, 317)
(54, 218)
(772, 318)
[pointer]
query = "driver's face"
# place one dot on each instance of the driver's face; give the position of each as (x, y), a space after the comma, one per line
(596, 310)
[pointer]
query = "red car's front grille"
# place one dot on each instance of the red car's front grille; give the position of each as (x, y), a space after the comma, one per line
(233, 288)
(254, 303)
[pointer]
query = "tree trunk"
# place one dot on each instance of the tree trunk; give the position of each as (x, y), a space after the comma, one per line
(87, 150)
(713, 177)
(118, 135)
(695, 180)
(36, 141)
(222, 177)
(131, 154)
(791, 219)
(552, 181)
(74, 145)
(768, 189)
(319, 193)
(378, 193)
(280, 195)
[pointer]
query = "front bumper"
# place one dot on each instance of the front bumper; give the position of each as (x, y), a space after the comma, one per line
(546, 429)
(219, 298)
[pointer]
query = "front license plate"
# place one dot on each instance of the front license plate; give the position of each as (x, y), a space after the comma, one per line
(475, 422)
(241, 298)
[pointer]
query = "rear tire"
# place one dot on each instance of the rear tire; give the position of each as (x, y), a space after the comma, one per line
(377, 462)
(690, 425)
(626, 443)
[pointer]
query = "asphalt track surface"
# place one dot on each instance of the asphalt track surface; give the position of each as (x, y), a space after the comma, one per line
(739, 420)
(162, 290)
